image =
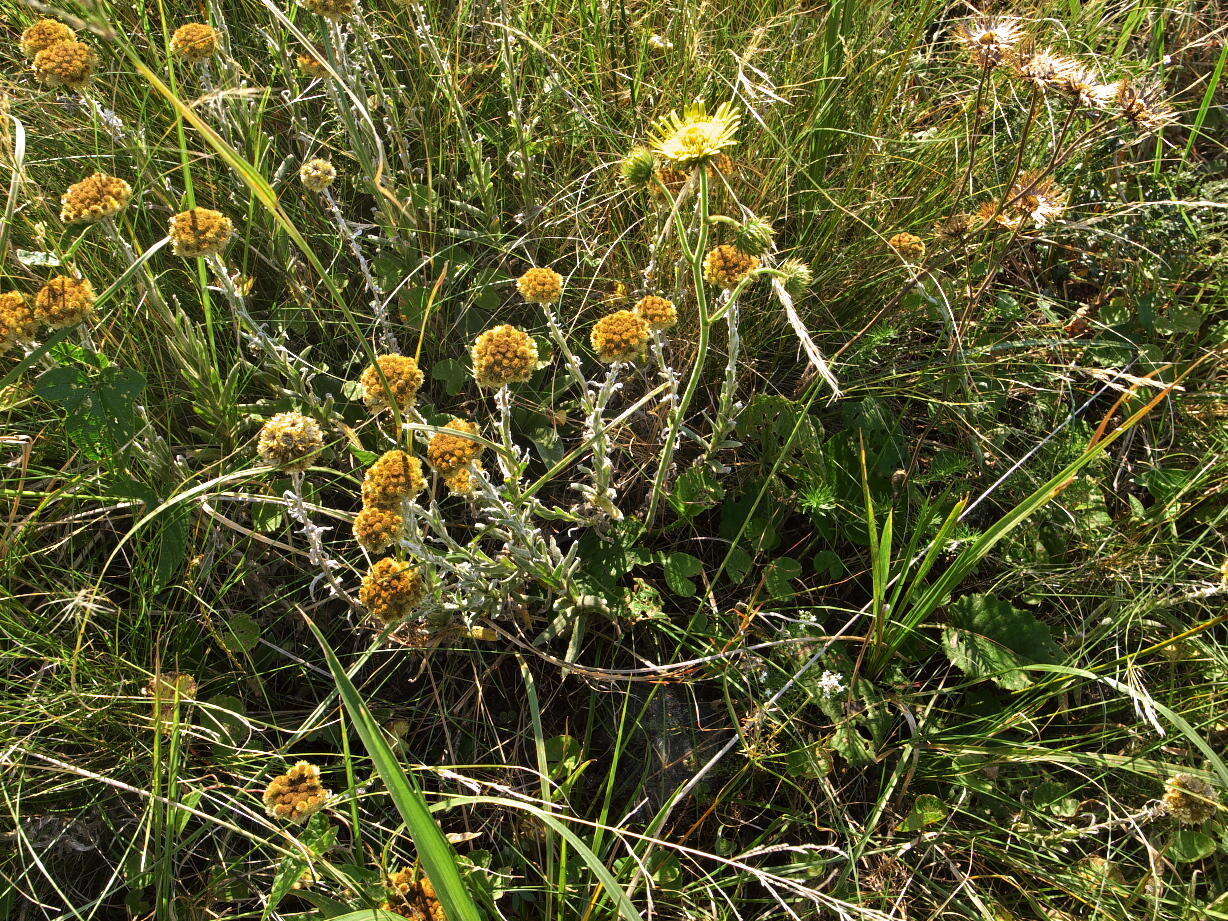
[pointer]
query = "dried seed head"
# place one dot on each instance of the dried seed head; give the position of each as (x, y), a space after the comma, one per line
(290, 441)
(989, 40)
(200, 232)
(317, 174)
(195, 41)
(1190, 800)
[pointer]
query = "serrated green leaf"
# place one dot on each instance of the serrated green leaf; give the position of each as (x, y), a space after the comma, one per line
(989, 638)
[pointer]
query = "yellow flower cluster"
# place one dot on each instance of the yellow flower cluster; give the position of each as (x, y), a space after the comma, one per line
(503, 355)
(460, 480)
(331, 9)
(317, 174)
(395, 477)
(68, 63)
(620, 336)
(200, 232)
(377, 528)
(64, 301)
(725, 266)
(94, 198)
(412, 895)
(195, 41)
(43, 34)
(312, 66)
(17, 322)
(290, 441)
(540, 286)
(449, 453)
(908, 245)
(391, 590)
(296, 795)
(392, 378)
(658, 312)
(1190, 800)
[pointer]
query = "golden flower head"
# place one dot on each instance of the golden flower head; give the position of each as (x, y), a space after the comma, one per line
(1037, 197)
(503, 355)
(377, 528)
(989, 40)
(94, 198)
(290, 441)
(1046, 70)
(43, 34)
(195, 41)
(331, 9)
(396, 476)
(200, 232)
(392, 378)
(694, 136)
(908, 245)
(658, 312)
(391, 590)
(798, 276)
(1190, 800)
(64, 301)
(540, 286)
(755, 236)
(1142, 104)
(725, 266)
(636, 167)
(296, 795)
(167, 689)
(411, 895)
(460, 480)
(620, 336)
(317, 174)
(68, 63)
(312, 66)
(446, 452)
(17, 322)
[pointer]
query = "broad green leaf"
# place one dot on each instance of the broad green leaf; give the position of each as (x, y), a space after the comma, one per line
(1189, 844)
(680, 568)
(988, 638)
(926, 810)
(779, 575)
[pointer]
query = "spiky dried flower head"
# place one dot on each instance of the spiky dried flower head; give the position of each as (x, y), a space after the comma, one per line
(540, 285)
(1142, 104)
(658, 312)
(377, 528)
(94, 198)
(726, 265)
(798, 276)
(1190, 800)
(67, 63)
(636, 167)
(317, 174)
(195, 41)
(694, 136)
(412, 895)
(200, 232)
(391, 590)
(1037, 197)
(64, 301)
(908, 245)
(331, 9)
(620, 336)
(296, 795)
(43, 34)
(290, 441)
(393, 478)
(392, 378)
(17, 322)
(953, 227)
(312, 66)
(167, 690)
(503, 355)
(447, 452)
(755, 236)
(1046, 70)
(1083, 85)
(989, 40)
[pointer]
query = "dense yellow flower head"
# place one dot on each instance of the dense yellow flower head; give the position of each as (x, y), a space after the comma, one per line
(683, 140)
(620, 336)
(447, 453)
(540, 286)
(503, 355)
(377, 528)
(94, 198)
(412, 895)
(296, 795)
(195, 41)
(17, 322)
(460, 480)
(658, 312)
(200, 232)
(64, 301)
(43, 34)
(68, 63)
(391, 590)
(317, 174)
(397, 475)
(312, 66)
(166, 690)
(908, 245)
(290, 441)
(1190, 800)
(331, 9)
(391, 378)
(725, 266)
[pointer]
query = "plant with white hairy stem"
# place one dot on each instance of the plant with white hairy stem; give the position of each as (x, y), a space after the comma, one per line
(600, 496)
(319, 556)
